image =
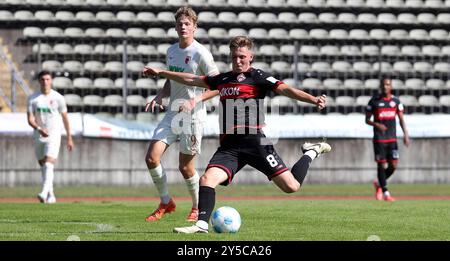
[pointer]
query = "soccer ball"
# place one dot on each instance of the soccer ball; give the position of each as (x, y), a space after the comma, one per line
(226, 220)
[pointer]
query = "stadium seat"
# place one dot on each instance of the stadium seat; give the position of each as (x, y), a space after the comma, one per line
(287, 17)
(353, 84)
(113, 66)
(23, 15)
(445, 50)
(83, 49)
(168, 17)
(355, 3)
(428, 100)
(64, 16)
(372, 84)
(423, 67)
(426, 18)
(309, 50)
(93, 66)
(73, 100)
(435, 84)
(53, 32)
(394, 3)
(103, 83)
(367, 18)
(320, 67)
(227, 17)
(444, 100)
(414, 84)
(378, 34)
(287, 49)
(115, 33)
(386, 18)
(42, 48)
(135, 100)
(52, 66)
(233, 32)
(119, 83)
(217, 33)
(442, 67)
(256, 3)
(346, 101)
(370, 50)
(402, 66)
(280, 67)
(266, 17)
(82, 83)
(85, 16)
(385, 67)
(74, 32)
(247, 17)
(358, 34)
(398, 34)
(411, 50)
(431, 50)
(268, 49)
(136, 2)
(398, 84)
(338, 34)
(104, 49)
(6, 15)
(311, 83)
(327, 17)
(350, 50)
(418, 34)
(406, 18)
(330, 50)
(332, 83)
(308, 17)
(414, 3)
(176, 2)
(375, 3)
(278, 33)
(298, 34)
(224, 49)
(197, 3)
(302, 67)
(408, 100)
(390, 50)
(105, 16)
(347, 18)
(434, 3)
(73, 66)
(439, 34)
(75, 2)
(130, 49)
(94, 32)
(92, 100)
(44, 15)
(363, 100)
(217, 3)
(262, 66)
(146, 49)
(207, 17)
(135, 32)
(341, 66)
(62, 83)
(146, 17)
(135, 66)
(258, 33)
(276, 3)
(443, 18)
(158, 33)
(145, 83)
(362, 66)
(318, 33)
(296, 3)
(126, 16)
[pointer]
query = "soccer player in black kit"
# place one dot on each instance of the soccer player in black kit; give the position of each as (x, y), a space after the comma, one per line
(384, 107)
(242, 140)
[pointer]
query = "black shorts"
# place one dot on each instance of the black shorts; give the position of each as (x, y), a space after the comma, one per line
(256, 150)
(385, 151)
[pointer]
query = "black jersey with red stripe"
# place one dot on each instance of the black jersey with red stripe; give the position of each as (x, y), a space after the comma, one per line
(384, 111)
(242, 99)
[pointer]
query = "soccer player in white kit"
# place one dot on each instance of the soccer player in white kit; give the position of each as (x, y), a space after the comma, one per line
(187, 55)
(47, 112)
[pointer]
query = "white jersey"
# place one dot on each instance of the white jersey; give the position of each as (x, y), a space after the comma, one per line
(194, 59)
(47, 111)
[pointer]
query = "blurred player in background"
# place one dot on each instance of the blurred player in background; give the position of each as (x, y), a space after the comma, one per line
(385, 107)
(190, 56)
(47, 111)
(242, 140)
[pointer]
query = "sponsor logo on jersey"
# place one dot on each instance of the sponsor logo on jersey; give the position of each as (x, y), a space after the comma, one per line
(392, 104)
(230, 91)
(175, 68)
(271, 79)
(240, 77)
(386, 114)
(43, 110)
(381, 104)
(187, 59)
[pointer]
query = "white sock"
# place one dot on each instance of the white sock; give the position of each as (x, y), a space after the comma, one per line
(202, 224)
(386, 193)
(311, 153)
(193, 187)
(160, 179)
(47, 171)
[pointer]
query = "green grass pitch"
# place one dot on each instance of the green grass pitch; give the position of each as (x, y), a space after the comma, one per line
(277, 219)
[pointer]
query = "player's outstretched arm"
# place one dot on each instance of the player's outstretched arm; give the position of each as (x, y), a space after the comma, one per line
(184, 78)
(190, 104)
(286, 90)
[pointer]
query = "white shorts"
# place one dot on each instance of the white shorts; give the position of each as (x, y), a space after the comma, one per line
(190, 136)
(48, 148)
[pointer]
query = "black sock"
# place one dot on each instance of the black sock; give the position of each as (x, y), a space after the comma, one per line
(300, 168)
(382, 178)
(206, 202)
(389, 172)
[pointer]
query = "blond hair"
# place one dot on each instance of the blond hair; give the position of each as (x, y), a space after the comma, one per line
(188, 12)
(241, 41)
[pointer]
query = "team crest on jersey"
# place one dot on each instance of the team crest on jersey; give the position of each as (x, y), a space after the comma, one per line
(187, 59)
(240, 77)
(392, 104)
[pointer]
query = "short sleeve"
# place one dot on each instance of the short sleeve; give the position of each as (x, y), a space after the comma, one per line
(29, 105)
(400, 107)
(62, 105)
(212, 81)
(207, 64)
(265, 80)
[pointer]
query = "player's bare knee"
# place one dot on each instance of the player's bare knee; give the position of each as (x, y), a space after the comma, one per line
(292, 187)
(186, 171)
(152, 162)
